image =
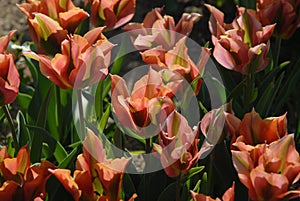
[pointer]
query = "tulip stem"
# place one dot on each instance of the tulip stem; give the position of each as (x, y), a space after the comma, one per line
(80, 108)
(277, 51)
(210, 173)
(11, 125)
(178, 187)
(248, 92)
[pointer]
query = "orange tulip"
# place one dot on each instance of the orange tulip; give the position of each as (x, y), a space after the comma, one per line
(95, 177)
(258, 131)
(268, 170)
(219, 123)
(9, 76)
(22, 181)
(163, 44)
(149, 102)
(157, 30)
(228, 196)
(178, 146)
(83, 61)
(283, 13)
(50, 22)
(242, 45)
(111, 14)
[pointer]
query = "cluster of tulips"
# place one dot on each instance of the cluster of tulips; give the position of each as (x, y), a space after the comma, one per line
(47, 155)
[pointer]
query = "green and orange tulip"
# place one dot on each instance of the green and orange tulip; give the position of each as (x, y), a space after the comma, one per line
(82, 62)
(284, 13)
(9, 76)
(242, 45)
(111, 14)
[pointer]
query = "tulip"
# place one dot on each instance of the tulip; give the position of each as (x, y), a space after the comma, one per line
(283, 13)
(178, 146)
(258, 131)
(161, 30)
(9, 76)
(111, 14)
(162, 44)
(243, 45)
(95, 177)
(50, 22)
(268, 170)
(22, 181)
(228, 196)
(148, 104)
(83, 61)
(220, 123)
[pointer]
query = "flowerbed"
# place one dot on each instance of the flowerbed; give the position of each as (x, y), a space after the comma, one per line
(191, 122)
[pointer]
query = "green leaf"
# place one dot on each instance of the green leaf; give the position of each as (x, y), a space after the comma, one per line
(23, 133)
(40, 135)
(118, 63)
(60, 153)
(104, 118)
(194, 171)
(128, 186)
(42, 117)
(216, 89)
(169, 193)
(69, 159)
(204, 184)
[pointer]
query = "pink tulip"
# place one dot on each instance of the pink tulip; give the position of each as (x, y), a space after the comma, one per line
(268, 170)
(50, 22)
(220, 123)
(111, 14)
(95, 177)
(242, 45)
(148, 104)
(178, 146)
(163, 44)
(21, 180)
(228, 196)
(9, 76)
(82, 62)
(283, 13)
(157, 30)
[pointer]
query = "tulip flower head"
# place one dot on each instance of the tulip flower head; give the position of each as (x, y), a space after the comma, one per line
(95, 177)
(268, 170)
(9, 76)
(22, 181)
(178, 145)
(284, 13)
(149, 103)
(243, 45)
(162, 44)
(51, 21)
(219, 123)
(111, 14)
(255, 130)
(228, 196)
(84, 60)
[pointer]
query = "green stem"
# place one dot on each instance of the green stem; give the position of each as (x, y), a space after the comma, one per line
(210, 173)
(247, 92)
(277, 51)
(58, 110)
(178, 187)
(11, 125)
(80, 108)
(99, 103)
